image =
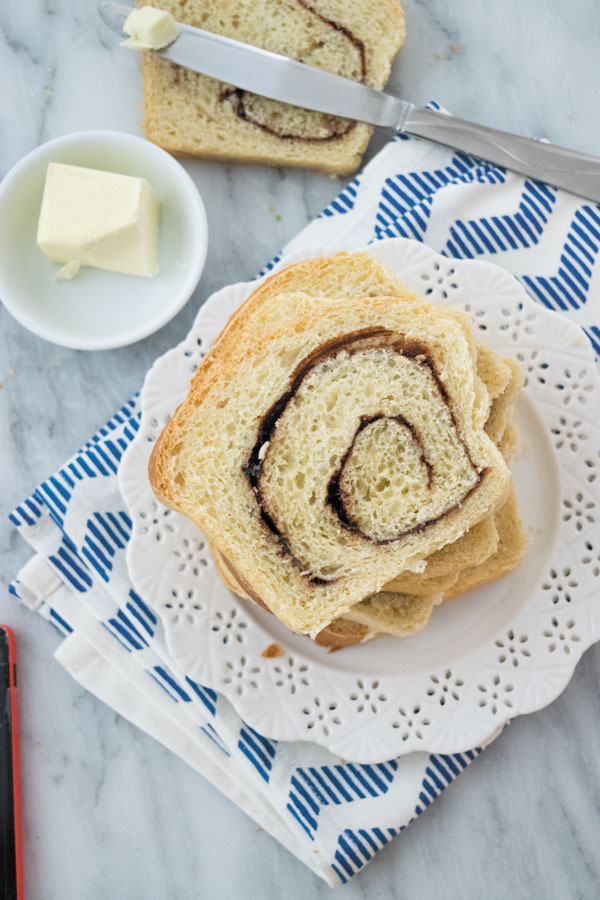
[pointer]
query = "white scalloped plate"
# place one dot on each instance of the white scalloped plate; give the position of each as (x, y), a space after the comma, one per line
(506, 649)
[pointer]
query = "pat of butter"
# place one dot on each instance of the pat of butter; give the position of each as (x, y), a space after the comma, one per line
(99, 219)
(149, 29)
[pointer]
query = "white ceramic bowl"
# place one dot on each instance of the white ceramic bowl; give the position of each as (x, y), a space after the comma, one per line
(98, 310)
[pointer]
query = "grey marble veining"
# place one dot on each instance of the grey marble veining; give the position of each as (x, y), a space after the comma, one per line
(107, 811)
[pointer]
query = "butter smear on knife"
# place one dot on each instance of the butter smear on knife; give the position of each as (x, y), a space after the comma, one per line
(149, 29)
(94, 218)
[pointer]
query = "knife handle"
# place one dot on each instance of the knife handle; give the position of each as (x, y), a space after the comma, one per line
(568, 169)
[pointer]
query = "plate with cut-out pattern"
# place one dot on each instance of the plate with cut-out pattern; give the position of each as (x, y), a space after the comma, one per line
(500, 651)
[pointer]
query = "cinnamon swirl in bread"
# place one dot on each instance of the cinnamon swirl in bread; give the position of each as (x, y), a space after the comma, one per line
(304, 287)
(343, 447)
(189, 113)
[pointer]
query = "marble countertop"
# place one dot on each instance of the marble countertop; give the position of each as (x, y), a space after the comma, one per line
(101, 799)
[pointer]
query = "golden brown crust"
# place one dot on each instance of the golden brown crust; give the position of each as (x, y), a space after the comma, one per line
(502, 406)
(241, 585)
(416, 583)
(509, 555)
(472, 548)
(336, 636)
(289, 280)
(509, 441)
(225, 574)
(342, 634)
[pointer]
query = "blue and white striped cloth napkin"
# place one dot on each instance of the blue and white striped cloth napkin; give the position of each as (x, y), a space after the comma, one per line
(334, 816)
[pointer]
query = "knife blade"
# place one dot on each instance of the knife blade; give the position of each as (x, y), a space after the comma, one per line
(289, 81)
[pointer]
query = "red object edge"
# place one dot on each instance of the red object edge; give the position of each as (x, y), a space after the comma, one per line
(12, 658)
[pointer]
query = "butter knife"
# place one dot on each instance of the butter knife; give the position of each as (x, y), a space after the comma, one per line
(280, 78)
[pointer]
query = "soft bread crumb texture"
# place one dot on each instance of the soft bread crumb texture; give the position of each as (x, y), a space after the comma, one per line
(191, 114)
(311, 568)
(385, 478)
(490, 550)
(362, 275)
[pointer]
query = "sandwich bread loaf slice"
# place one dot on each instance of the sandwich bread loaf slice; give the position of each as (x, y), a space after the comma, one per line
(334, 455)
(191, 114)
(306, 286)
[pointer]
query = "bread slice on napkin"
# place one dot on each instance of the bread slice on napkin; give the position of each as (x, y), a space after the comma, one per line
(304, 287)
(334, 454)
(189, 113)
(458, 563)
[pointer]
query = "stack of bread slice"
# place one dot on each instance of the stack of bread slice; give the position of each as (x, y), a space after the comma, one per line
(344, 447)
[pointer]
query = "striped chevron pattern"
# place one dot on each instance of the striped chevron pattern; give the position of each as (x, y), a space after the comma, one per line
(406, 200)
(522, 228)
(317, 787)
(207, 696)
(60, 623)
(569, 287)
(357, 847)
(68, 564)
(549, 241)
(344, 201)
(343, 813)
(440, 772)
(214, 736)
(258, 750)
(105, 536)
(593, 333)
(141, 614)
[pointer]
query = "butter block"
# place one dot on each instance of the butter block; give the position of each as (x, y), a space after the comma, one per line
(149, 29)
(100, 219)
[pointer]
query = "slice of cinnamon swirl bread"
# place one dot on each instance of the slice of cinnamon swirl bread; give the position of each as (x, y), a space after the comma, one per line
(189, 113)
(304, 287)
(488, 551)
(337, 452)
